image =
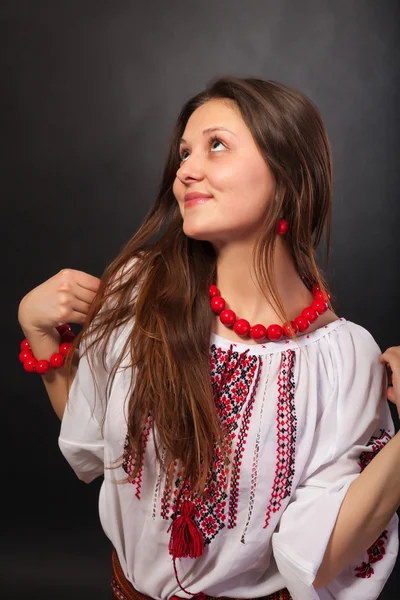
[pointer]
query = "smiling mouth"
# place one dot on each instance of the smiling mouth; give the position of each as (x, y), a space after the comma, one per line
(197, 200)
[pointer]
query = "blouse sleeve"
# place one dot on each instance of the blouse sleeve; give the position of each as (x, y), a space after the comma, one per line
(81, 440)
(355, 425)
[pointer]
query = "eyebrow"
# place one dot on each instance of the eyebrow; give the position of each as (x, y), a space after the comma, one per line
(211, 130)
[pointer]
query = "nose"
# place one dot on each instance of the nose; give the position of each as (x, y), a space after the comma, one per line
(192, 169)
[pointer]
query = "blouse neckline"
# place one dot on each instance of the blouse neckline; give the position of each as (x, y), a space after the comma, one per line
(270, 347)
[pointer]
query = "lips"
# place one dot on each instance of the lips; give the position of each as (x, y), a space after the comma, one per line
(196, 199)
(197, 196)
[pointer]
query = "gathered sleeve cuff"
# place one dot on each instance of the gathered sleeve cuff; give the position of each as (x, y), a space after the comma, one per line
(81, 438)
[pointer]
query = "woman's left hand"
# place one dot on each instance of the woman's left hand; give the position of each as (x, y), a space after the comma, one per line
(391, 358)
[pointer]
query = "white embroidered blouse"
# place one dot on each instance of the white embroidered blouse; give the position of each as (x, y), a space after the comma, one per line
(304, 418)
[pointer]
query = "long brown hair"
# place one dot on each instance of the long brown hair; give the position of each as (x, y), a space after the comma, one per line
(158, 285)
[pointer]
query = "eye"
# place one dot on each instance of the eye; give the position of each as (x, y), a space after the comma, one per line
(183, 154)
(215, 142)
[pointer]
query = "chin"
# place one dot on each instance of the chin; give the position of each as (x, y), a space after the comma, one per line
(215, 238)
(196, 235)
(197, 232)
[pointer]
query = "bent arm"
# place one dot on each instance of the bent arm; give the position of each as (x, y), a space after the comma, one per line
(371, 501)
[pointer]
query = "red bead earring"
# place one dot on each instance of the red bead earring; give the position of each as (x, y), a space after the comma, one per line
(283, 226)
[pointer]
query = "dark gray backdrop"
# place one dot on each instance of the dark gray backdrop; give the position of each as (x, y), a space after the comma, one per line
(89, 93)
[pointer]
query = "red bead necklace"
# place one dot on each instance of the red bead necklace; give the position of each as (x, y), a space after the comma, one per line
(274, 332)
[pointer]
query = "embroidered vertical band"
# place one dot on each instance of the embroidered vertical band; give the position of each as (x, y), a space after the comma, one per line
(286, 433)
(122, 589)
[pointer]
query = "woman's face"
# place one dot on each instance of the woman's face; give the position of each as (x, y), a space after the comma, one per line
(223, 184)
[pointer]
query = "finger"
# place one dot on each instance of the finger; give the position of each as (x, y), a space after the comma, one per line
(385, 357)
(392, 363)
(391, 395)
(80, 306)
(88, 282)
(76, 317)
(84, 295)
(390, 354)
(390, 377)
(83, 279)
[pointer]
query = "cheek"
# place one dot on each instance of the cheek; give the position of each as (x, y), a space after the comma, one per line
(249, 184)
(224, 178)
(257, 177)
(178, 190)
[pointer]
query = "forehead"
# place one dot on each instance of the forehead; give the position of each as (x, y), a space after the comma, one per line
(215, 113)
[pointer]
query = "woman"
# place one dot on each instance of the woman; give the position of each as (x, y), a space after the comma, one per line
(246, 484)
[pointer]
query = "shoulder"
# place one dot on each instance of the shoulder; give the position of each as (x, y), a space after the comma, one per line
(346, 355)
(360, 375)
(341, 341)
(357, 341)
(121, 282)
(127, 270)
(345, 337)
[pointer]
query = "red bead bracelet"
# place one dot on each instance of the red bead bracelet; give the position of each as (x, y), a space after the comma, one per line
(273, 332)
(57, 360)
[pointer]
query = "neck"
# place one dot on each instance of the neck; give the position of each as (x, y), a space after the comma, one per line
(237, 283)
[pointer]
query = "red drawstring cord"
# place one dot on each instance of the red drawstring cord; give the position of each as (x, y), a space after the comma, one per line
(186, 539)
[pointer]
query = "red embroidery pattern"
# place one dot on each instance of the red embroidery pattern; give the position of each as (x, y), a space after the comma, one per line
(209, 514)
(128, 462)
(237, 461)
(376, 443)
(234, 380)
(286, 428)
(375, 553)
(255, 464)
(232, 376)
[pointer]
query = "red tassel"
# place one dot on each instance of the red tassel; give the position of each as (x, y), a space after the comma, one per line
(186, 539)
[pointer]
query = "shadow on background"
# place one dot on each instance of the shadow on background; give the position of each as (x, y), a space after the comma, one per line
(53, 555)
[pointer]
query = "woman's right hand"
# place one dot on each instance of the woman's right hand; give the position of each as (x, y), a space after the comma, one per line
(391, 359)
(64, 298)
